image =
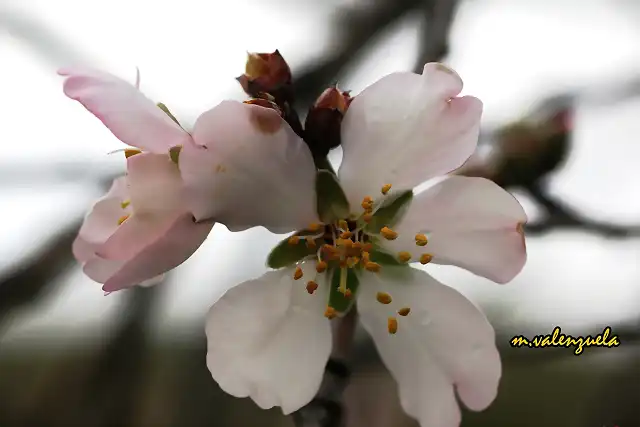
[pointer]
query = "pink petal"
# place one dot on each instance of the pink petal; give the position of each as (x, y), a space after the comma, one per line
(405, 129)
(248, 168)
(133, 118)
(134, 235)
(469, 222)
(155, 184)
(168, 251)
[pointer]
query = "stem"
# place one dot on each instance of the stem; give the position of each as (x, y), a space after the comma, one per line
(326, 409)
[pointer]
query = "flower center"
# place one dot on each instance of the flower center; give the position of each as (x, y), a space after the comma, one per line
(351, 245)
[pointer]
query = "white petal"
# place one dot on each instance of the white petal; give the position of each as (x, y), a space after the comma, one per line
(248, 168)
(471, 223)
(443, 342)
(405, 129)
(268, 339)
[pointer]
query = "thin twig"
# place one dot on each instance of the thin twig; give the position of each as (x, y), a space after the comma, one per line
(434, 43)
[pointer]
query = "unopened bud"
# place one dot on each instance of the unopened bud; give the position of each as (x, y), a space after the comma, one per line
(322, 126)
(265, 72)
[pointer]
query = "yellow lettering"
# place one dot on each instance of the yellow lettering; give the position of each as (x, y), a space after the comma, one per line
(556, 332)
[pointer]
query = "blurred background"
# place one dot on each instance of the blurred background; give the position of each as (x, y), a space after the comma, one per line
(560, 81)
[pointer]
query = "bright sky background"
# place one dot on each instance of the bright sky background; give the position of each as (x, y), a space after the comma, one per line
(509, 53)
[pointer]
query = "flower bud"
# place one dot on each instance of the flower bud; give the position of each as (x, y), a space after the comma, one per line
(322, 126)
(265, 72)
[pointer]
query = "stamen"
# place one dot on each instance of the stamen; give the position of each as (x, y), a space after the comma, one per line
(520, 227)
(367, 203)
(131, 152)
(124, 204)
(348, 294)
(315, 227)
(122, 219)
(311, 287)
(346, 235)
(352, 261)
(347, 243)
(404, 311)
(421, 240)
(297, 274)
(343, 280)
(367, 218)
(425, 258)
(374, 267)
(294, 240)
(404, 256)
(365, 257)
(330, 313)
(383, 298)
(311, 244)
(385, 189)
(321, 266)
(367, 247)
(392, 325)
(388, 233)
(342, 264)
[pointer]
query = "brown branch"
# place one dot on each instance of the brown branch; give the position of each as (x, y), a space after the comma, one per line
(354, 29)
(434, 42)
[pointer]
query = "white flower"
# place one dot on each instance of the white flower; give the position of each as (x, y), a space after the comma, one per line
(270, 338)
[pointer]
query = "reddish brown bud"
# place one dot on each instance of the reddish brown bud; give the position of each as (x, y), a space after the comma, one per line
(265, 72)
(322, 126)
(333, 99)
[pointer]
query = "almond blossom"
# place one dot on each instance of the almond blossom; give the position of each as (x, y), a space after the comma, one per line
(354, 236)
(141, 228)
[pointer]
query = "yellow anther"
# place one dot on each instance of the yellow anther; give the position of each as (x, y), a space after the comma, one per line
(392, 325)
(294, 240)
(520, 227)
(311, 287)
(357, 246)
(321, 266)
(297, 274)
(367, 218)
(367, 203)
(315, 227)
(385, 189)
(421, 240)
(124, 204)
(347, 243)
(311, 244)
(352, 261)
(348, 293)
(388, 233)
(342, 263)
(404, 256)
(365, 257)
(131, 152)
(367, 247)
(346, 235)
(383, 298)
(330, 313)
(122, 219)
(343, 225)
(404, 311)
(425, 258)
(374, 267)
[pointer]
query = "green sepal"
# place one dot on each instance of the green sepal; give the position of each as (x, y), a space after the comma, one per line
(391, 211)
(337, 300)
(384, 258)
(174, 153)
(286, 254)
(332, 202)
(322, 163)
(167, 112)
